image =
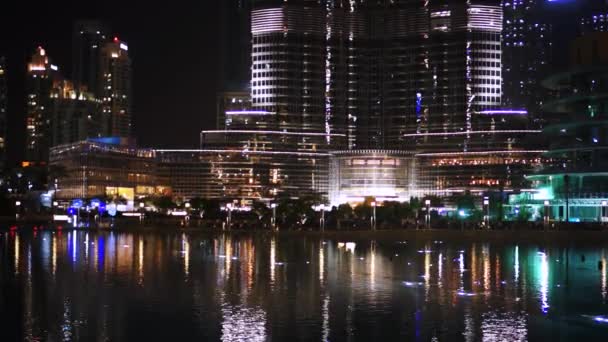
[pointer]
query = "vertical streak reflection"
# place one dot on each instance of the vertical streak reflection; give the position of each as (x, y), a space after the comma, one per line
(516, 265)
(603, 274)
(140, 261)
(17, 254)
(544, 283)
(273, 257)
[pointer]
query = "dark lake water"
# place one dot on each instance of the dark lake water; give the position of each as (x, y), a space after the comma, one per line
(109, 286)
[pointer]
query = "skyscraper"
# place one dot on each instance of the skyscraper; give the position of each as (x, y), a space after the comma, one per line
(3, 112)
(527, 53)
(41, 76)
(88, 39)
(304, 64)
(115, 89)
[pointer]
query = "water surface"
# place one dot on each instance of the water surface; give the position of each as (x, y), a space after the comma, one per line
(154, 286)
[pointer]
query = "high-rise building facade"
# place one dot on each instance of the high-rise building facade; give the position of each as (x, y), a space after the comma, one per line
(41, 77)
(594, 17)
(3, 112)
(115, 89)
(527, 53)
(305, 63)
(74, 114)
(88, 39)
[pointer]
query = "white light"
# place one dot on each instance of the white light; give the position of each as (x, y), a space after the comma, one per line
(427, 202)
(518, 131)
(54, 67)
(179, 213)
(141, 205)
(482, 153)
(273, 205)
(18, 203)
(271, 132)
(135, 214)
(124, 46)
(547, 203)
(55, 204)
(604, 203)
(374, 204)
(187, 205)
(61, 218)
(249, 112)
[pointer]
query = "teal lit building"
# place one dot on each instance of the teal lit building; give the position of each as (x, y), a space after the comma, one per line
(572, 185)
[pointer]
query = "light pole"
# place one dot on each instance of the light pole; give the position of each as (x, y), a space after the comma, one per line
(17, 209)
(547, 204)
(188, 206)
(374, 204)
(141, 212)
(274, 216)
(486, 206)
(229, 218)
(322, 217)
(428, 213)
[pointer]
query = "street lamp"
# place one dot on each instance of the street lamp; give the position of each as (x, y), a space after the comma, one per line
(547, 204)
(374, 215)
(322, 217)
(274, 216)
(17, 205)
(229, 218)
(428, 213)
(141, 214)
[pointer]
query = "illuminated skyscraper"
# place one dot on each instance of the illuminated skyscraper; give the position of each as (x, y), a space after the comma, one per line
(88, 38)
(115, 89)
(305, 65)
(41, 76)
(527, 53)
(3, 112)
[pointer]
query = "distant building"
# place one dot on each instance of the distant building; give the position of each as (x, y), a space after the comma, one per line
(115, 90)
(107, 168)
(527, 53)
(230, 102)
(74, 115)
(3, 112)
(573, 184)
(594, 17)
(41, 77)
(88, 40)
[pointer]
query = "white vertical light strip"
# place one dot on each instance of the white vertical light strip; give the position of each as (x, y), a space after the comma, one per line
(328, 75)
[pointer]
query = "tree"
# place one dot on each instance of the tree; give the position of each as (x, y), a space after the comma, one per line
(164, 203)
(344, 211)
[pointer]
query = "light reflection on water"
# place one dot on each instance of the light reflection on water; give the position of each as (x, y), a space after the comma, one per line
(186, 286)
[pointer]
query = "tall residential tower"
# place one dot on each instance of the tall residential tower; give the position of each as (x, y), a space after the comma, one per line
(114, 89)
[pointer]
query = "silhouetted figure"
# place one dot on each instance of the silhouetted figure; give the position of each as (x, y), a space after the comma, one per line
(582, 257)
(600, 265)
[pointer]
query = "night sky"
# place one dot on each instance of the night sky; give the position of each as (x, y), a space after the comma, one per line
(173, 46)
